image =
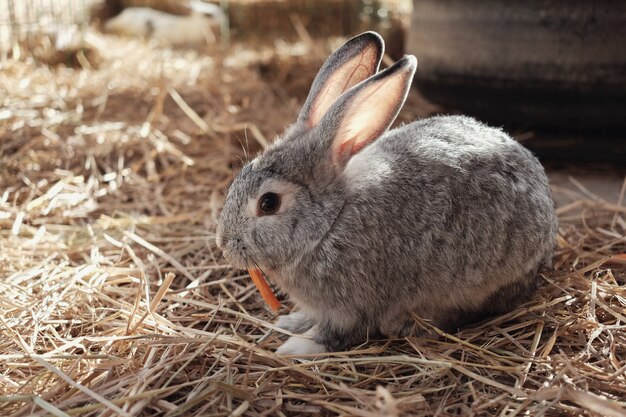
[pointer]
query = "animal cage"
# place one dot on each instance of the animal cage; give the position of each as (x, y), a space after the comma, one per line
(25, 20)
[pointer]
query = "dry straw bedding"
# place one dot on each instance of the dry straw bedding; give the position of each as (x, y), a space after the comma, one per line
(114, 300)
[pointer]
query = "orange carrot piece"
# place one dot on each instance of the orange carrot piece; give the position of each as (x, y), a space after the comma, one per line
(264, 288)
(618, 259)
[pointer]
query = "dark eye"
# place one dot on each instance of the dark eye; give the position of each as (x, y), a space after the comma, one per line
(269, 203)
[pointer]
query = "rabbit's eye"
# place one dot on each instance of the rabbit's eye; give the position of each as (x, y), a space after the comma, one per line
(269, 203)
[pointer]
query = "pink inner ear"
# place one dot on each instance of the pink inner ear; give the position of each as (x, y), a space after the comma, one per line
(357, 69)
(348, 148)
(369, 114)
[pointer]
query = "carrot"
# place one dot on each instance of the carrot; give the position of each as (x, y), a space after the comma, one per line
(618, 259)
(264, 288)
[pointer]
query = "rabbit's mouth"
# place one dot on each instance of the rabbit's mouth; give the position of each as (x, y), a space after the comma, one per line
(233, 249)
(237, 258)
(238, 255)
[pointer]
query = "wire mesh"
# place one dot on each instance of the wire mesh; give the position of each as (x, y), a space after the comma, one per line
(21, 20)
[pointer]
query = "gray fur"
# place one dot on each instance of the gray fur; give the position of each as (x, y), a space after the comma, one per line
(454, 227)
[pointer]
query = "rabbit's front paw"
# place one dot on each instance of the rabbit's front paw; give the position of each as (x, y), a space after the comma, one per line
(301, 345)
(296, 322)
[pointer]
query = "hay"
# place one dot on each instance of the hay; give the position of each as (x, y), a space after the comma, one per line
(115, 301)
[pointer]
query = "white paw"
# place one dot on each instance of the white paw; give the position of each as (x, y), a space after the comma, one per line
(300, 345)
(295, 322)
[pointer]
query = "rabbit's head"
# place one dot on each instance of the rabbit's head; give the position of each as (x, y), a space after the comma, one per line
(282, 203)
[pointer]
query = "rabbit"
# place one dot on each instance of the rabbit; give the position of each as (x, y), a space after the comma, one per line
(364, 228)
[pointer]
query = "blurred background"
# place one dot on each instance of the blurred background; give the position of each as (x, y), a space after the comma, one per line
(552, 73)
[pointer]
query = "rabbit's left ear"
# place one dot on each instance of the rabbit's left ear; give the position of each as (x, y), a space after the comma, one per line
(366, 111)
(355, 61)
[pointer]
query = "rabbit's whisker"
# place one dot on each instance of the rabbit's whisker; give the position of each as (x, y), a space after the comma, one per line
(244, 148)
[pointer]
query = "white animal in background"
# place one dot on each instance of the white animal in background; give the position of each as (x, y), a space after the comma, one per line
(199, 26)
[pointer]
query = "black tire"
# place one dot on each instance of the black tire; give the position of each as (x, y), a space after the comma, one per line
(536, 63)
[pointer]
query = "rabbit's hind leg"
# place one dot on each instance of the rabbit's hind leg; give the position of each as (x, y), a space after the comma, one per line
(503, 300)
(508, 297)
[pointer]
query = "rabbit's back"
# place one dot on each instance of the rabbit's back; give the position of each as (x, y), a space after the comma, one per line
(455, 211)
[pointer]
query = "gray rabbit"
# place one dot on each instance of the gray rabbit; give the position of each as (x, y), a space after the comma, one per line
(444, 218)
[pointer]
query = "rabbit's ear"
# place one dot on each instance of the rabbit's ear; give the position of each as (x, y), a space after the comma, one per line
(366, 111)
(357, 60)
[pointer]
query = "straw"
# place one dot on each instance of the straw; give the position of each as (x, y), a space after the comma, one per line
(114, 299)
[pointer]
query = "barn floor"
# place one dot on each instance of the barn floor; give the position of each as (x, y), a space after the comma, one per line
(114, 300)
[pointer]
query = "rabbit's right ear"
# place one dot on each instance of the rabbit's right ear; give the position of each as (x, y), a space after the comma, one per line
(365, 112)
(357, 60)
